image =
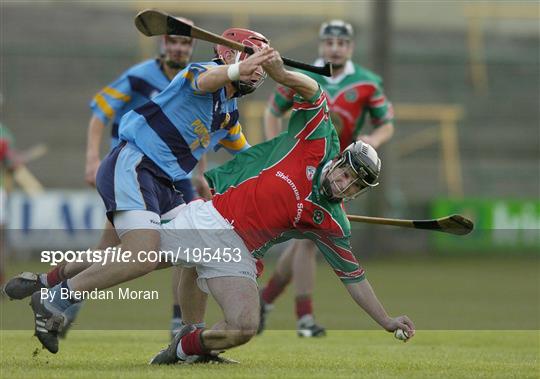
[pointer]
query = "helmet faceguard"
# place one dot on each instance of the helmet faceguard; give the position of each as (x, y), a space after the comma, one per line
(244, 87)
(248, 38)
(354, 172)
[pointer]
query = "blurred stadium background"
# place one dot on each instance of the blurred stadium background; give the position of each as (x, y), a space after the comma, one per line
(463, 76)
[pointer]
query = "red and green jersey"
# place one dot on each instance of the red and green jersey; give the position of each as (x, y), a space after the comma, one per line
(351, 97)
(6, 146)
(270, 193)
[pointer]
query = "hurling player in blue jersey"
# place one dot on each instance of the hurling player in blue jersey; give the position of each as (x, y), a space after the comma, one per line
(132, 89)
(160, 142)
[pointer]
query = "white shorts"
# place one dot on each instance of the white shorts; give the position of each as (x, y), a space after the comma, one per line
(125, 221)
(200, 237)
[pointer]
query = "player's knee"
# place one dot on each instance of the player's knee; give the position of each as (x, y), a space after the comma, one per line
(243, 336)
(244, 332)
(246, 336)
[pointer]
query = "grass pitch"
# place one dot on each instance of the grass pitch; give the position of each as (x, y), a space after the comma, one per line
(343, 354)
(475, 318)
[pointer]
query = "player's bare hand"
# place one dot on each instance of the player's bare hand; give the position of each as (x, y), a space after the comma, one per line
(202, 187)
(401, 322)
(253, 63)
(90, 173)
(274, 66)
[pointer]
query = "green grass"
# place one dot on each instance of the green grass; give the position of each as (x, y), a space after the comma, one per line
(475, 318)
(343, 354)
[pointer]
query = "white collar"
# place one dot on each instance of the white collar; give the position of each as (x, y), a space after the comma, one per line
(349, 70)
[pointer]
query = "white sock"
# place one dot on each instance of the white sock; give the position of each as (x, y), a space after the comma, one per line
(43, 279)
(180, 352)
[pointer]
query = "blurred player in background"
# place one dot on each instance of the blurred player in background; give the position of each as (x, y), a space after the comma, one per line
(13, 170)
(7, 165)
(133, 88)
(292, 186)
(161, 142)
(354, 93)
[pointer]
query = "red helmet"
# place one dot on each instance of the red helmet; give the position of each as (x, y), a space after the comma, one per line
(244, 36)
(248, 38)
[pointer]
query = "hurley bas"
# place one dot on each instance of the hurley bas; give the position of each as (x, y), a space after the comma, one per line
(120, 294)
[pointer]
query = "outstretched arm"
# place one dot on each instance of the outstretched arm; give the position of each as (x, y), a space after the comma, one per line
(217, 77)
(363, 295)
(338, 254)
(300, 83)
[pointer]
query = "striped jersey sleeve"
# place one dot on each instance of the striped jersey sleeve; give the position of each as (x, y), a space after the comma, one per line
(380, 109)
(281, 100)
(192, 72)
(337, 252)
(235, 141)
(107, 102)
(310, 119)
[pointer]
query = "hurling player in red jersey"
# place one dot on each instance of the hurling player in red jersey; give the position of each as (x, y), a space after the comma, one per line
(354, 93)
(292, 186)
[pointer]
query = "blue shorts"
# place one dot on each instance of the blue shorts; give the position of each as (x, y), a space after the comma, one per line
(129, 180)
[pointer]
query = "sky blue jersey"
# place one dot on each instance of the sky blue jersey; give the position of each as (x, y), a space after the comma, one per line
(180, 124)
(132, 89)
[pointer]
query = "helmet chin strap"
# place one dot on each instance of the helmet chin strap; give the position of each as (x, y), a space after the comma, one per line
(326, 185)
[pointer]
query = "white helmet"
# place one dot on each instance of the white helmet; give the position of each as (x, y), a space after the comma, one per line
(359, 161)
(336, 28)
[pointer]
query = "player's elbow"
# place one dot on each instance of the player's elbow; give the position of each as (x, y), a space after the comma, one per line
(208, 86)
(305, 86)
(212, 80)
